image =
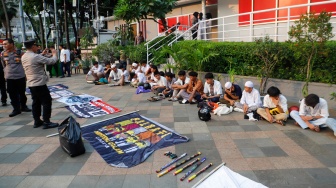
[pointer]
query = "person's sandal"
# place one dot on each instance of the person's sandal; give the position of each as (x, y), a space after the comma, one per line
(283, 123)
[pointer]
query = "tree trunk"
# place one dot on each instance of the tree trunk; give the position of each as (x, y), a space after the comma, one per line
(263, 83)
(82, 18)
(8, 29)
(42, 31)
(164, 23)
(72, 20)
(34, 29)
(61, 28)
(66, 26)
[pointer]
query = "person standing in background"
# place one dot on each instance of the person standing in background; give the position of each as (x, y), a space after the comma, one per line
(208, 24)
(201, 35)
(139, 39)
(65, 61)
(194, 21)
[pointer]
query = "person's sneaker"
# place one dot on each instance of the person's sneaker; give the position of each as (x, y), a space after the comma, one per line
(38, 123)
(14, 113)
(184, 101)
(238, 110)
(25, 109)
(4, 104)
(49, 125)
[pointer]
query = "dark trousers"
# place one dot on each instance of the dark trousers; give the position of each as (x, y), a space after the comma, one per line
(16, 89)
(194, 34)
(41, 97)
(215, 99)
(3, 87)
(65, 66)
(49, 69)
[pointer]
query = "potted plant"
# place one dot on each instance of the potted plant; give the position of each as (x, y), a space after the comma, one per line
(86, 65)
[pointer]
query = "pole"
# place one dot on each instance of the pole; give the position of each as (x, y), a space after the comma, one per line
(56, 26)
(97, 22)
(44, 23)
(23, 28)
(77, 25)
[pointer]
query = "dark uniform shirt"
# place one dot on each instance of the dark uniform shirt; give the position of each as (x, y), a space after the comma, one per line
(237, 92)
(12, 65)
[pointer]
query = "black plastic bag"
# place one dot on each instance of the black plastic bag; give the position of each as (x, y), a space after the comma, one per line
(70, 137)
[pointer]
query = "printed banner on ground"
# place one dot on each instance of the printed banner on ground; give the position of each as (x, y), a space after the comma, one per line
(92, 109)
(52, 88)
(130, 139)
(61, 93)
(77, 99)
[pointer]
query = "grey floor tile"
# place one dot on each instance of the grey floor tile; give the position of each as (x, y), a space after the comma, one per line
(233, 129)
(181, 119)
(58, 156)
(88, 148)
(216, 128)
(322, 175)
(267, 127)
(142, 181)
(58, 181)
(253, 152)
(246, 122)
(249, 128)
(10, 181)
(84, 181)
(286, 177)
(29, 131)
(249, 174)
(10, 148)
(108, 181)
(166, 181)
(15, 158)
(229, 122)
(273, 151)
(33, 181)
(244, 143)
(29, 148)
(4, 156)
(68, 168)
(45, 169)
(80, 158)
(202, 136)
(264, 142)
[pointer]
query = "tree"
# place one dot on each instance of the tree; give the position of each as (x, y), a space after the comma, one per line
(310, 33)
(7, 13)
(136, 10)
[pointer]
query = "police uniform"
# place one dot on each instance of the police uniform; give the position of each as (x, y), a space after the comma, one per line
(37, 79)
(16, 81)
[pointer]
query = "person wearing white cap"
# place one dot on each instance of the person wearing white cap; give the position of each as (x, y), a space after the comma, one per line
(212, 88)
(232, 94)
(135, 68)
(117, 75)
(250, 100)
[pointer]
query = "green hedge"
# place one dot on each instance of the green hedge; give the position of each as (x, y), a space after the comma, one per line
(245, 62)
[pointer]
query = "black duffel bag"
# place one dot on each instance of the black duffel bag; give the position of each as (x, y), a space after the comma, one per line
(70, 137)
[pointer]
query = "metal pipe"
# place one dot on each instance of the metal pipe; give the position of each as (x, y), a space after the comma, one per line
(44, 23)
(23, 28)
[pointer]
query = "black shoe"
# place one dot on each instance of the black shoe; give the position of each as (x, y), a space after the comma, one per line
(69, 76)
(14, 113)
(62, 77)
(38, 123)
(246, 117)
(4, 104)
(25, 109)
(49, 125)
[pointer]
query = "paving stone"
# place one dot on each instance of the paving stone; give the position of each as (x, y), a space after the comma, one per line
(181, 119)
(45, 169)
(10, 148)
(167, 181)
(249, 128)
(69, 168)
(249, 174)
(29, 148)
(108, 181)
(273, 151)
(84, 181)
(202, 136)
(15, 158)
(10, 181)
(233, 129)
(321, 175)
(244, 143)
(264, 142)
(58, 181)
(290, 177)
(137, 181)
(33, 181)
(327, 160)
(251, 152)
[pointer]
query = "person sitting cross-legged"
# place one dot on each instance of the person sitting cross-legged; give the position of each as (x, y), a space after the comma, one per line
(250, 100)
(212, 88)
(232, 94)
(168, 92)
(117, 75)
(194, 90)
(275, 107)
(313, 114)
(161, 83)
(97, 71)
(137, 79)
(180, 85)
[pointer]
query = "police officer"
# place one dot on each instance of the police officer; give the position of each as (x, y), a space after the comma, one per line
(37, 79)
(15, 76)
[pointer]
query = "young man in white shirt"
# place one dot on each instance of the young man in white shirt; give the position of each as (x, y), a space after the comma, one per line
(161, 83)
(180, 85)
(135, 68)
(168, 92)
(145, 68)
(125, 73)
(117, 75)
(97, 71)
(275, 107)
(212, 88)
(65, 61)
(250, 100)
(313, 114)
(137, 79)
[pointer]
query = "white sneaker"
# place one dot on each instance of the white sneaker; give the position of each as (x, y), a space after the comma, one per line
(238, 110)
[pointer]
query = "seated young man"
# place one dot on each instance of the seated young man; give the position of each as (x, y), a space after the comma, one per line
(125, 73)
(180, 85)
(107, 69)
(145, 68)
(97, 71)
(161, 83)
(151, 77)
(250, 100)
(212, 88)
(232, 94)
(137, 79)
(275, 107)
(117, 75)
(313, 114)
(194, 90)
(135, 67)
(168, 92)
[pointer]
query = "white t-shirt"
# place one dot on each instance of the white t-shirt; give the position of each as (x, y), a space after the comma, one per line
(136, 70)
(145, 68)
(180, 82)
(141, 77)
(321, 109)
(96, 70)
(161, 82)
(251, 99)
(67, 53)
(282, 102)
(218, 90)
(116, 75)
(126, 75)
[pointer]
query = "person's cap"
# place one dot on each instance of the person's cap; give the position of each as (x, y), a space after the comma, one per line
(113, 66)
(248, 84)
(228, 85)
(134, 64)
(30, 42)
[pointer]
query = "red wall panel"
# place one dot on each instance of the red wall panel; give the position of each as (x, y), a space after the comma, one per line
(171, 22)
(184, 21)
(319, 8)
(264, 16)
(293, 11)
(244, 6)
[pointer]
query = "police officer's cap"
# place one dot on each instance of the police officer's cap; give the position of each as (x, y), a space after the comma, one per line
(29, 43)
